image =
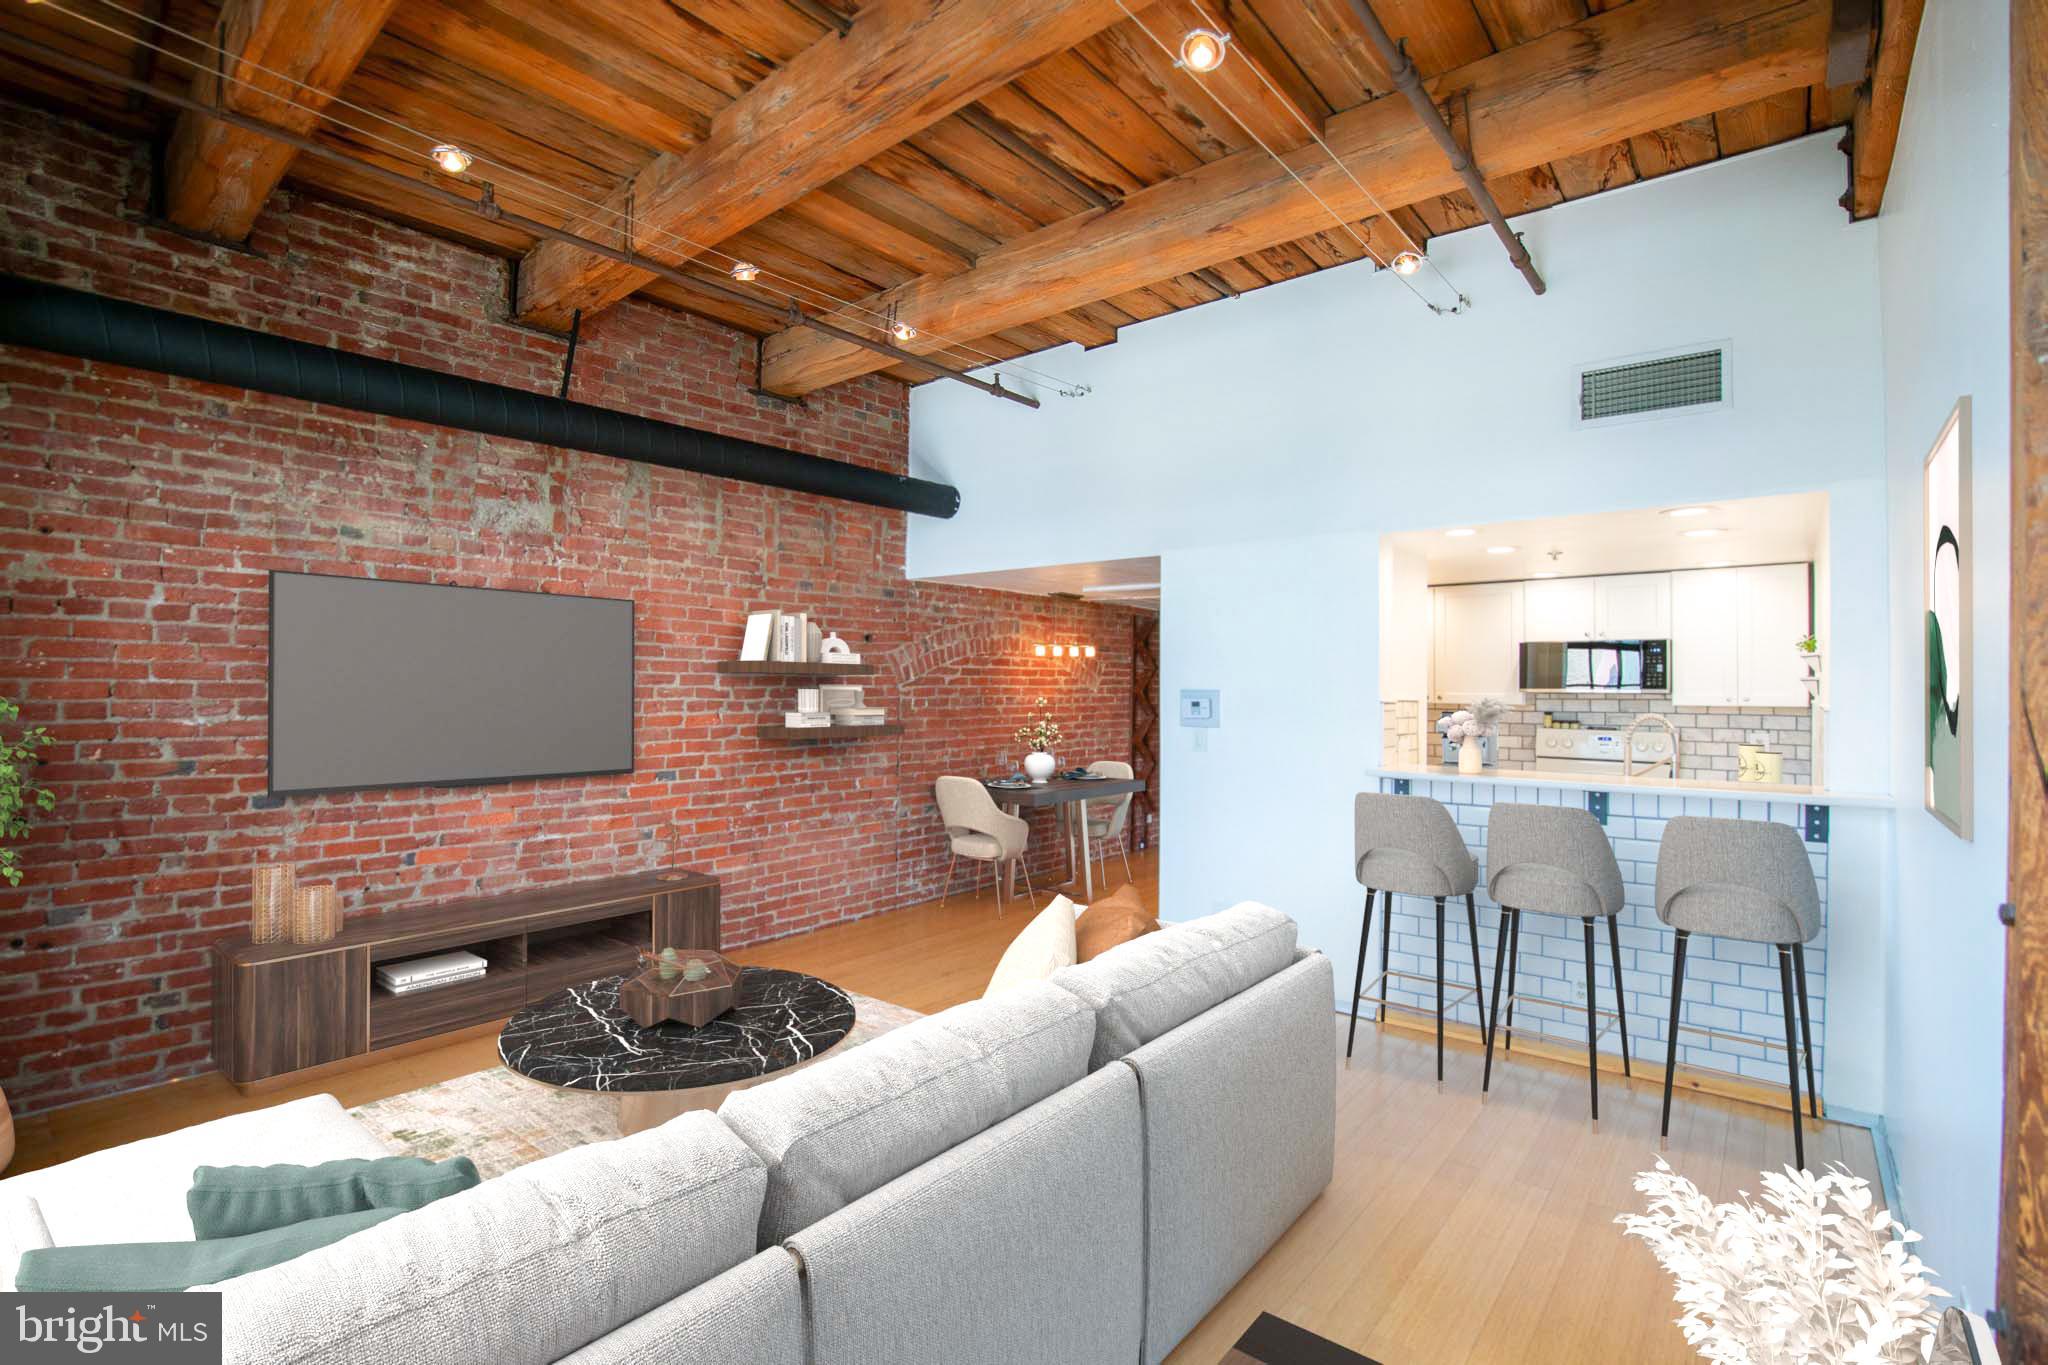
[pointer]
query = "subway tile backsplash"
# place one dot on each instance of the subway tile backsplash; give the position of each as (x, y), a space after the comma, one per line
(1707, 735)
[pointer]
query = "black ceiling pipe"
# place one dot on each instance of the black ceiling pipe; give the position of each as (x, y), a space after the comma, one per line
(49, 317)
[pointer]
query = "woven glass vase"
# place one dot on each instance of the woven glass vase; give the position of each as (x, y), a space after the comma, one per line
(316, 913)
(270, 902)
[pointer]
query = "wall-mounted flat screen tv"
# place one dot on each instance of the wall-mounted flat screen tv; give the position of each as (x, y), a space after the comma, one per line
(385, 684)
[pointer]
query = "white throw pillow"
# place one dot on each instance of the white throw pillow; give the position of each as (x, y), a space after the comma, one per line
(1045, 946)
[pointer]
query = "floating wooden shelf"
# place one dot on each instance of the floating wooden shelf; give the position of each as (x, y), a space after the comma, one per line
(755, 668)
(826, 731)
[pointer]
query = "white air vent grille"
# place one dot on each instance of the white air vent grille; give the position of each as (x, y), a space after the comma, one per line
(1689, 380)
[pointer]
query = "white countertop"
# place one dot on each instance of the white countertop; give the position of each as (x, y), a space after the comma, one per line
(1683, 786)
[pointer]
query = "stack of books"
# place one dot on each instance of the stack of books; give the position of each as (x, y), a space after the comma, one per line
(426, 973)
(810, 713)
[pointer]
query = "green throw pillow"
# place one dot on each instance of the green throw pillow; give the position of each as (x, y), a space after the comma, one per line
(233, 1201)
(141, 1267)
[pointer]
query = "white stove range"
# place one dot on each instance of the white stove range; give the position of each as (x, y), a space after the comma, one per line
(1600, 751)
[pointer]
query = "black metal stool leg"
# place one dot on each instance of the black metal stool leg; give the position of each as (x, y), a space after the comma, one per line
(1507, 1042)
(1806, 1028)
(1592, 1023)
(1439, 990)
(1620, 1000)
(1791, 1052)
(1386, 951)
(1500, 957)
(1478, 980)
(1671, 1034)
(1358, 981)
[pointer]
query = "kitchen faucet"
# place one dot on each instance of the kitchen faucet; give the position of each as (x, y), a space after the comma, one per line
(1628, 746)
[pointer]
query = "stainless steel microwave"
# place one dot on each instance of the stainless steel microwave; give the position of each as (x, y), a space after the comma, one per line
(1600, 666)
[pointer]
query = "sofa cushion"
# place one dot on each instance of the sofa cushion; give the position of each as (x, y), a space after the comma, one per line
(136, 1192)
(522, 1269)
(852, 1123)
(233, 1201)
(752, 1313)
(140, 1267)
(1141, 989)
(1045, 945)
(1116, 918)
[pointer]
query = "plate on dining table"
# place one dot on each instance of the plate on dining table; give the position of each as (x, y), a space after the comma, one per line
(1010, 784)
(1086, 777)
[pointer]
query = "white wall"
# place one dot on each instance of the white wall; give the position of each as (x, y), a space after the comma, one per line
(1943, 288)
(1261, 446)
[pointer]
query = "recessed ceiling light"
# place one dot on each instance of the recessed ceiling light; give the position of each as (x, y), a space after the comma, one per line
(1203, 49)
(1500, 549)
(1687, 511)
(1405, 262)
(745, 271)
(1702, 532)
(1461, 531)
(451, 158)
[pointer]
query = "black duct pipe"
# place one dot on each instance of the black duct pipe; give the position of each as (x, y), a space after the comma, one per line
(49, 317)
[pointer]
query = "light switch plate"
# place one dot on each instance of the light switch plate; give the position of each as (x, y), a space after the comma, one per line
(1199, 706)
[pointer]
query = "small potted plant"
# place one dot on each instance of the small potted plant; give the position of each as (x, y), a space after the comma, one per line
(1039, 734)
(1468, 730)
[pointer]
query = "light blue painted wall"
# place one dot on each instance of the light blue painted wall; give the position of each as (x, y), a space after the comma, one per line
(1943, 272)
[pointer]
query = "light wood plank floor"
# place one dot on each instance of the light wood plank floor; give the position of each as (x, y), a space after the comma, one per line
(1459, 1228)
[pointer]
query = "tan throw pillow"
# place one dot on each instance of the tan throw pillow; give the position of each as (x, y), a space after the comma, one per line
(1045, 946)
(1116, 918)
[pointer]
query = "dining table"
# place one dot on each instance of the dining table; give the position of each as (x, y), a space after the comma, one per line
(1070, 796)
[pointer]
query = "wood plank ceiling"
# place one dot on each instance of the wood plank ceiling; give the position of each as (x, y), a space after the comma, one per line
(582, 95)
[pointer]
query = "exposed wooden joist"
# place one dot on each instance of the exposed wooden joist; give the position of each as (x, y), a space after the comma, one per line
(1622, 73)
(217, 176)
(902, 66)
(1874, 134)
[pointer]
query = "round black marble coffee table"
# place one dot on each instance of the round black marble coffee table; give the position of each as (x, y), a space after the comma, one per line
(580, 1039)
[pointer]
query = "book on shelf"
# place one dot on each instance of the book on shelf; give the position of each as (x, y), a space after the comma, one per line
(858, 715)
(432, 983)
(760, 631)
(806, 720)
(434, 968)
(810, 699)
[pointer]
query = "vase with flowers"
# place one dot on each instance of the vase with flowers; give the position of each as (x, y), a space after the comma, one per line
(1039, 734)
(1469, 729)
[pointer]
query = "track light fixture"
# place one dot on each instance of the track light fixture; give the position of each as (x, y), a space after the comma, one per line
(1203, 49)
(451, 158)
(1406, 262)
(746, 272)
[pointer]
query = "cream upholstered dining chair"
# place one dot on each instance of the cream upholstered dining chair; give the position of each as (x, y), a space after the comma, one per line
(1106, 820)
(976, 828)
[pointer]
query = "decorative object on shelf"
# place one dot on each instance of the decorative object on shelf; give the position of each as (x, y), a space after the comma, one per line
(1757, 763)
(1808, 648)
(1812, 1273)
(833, 650)
(1469, 729)
(685, 986)
(271, 887)
(20, 799)
(316, 913)
(1945, 579)
(1039, 734)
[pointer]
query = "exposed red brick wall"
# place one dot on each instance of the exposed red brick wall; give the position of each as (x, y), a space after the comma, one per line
(139, 515)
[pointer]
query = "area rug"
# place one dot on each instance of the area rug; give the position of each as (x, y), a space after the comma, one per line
(501, 1120)
(1276, 1341)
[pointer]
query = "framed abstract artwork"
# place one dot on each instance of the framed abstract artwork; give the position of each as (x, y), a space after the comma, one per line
(1945, 579)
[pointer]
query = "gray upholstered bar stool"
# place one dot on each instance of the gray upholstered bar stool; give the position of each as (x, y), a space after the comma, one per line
(1410, 846)
(1554, 860)
(1748, 880)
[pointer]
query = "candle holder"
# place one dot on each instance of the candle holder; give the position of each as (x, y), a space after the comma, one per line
(316, 913)
(271, 886)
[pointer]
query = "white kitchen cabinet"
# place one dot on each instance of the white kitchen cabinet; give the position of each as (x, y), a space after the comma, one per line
(1559, 609)
(1774, 616)
(1633, 606)
(1476, 632)
(1733, 633)
(1706, 634)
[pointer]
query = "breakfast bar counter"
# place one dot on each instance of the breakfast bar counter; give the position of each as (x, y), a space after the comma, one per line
(1683, 786)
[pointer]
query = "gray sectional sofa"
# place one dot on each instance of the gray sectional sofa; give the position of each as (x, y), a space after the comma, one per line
(1071, 1172)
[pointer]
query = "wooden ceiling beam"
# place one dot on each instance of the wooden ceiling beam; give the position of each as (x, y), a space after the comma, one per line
(1874, 132)
(901, 66)
(217, 176)
(1622, 73)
